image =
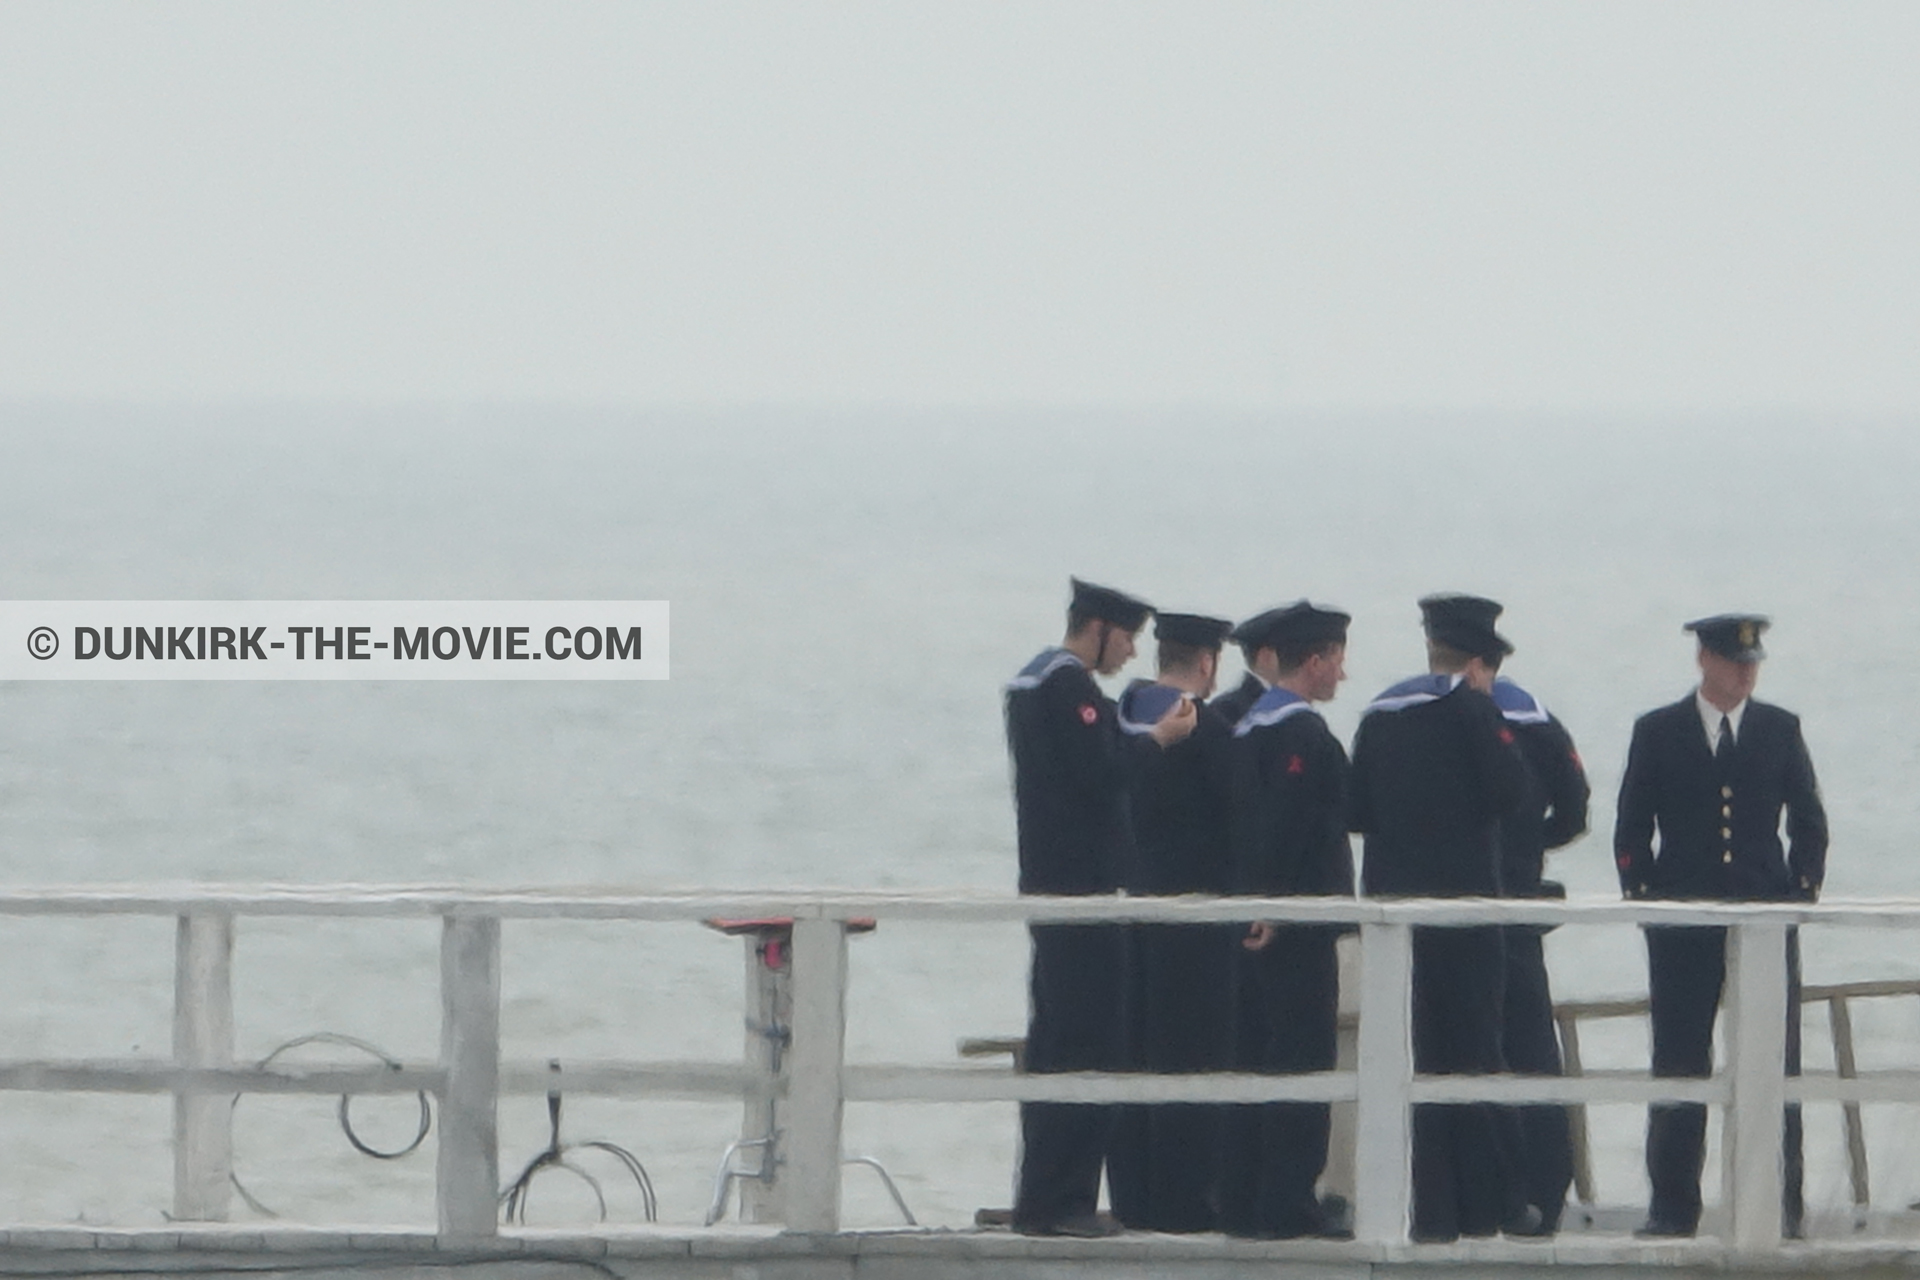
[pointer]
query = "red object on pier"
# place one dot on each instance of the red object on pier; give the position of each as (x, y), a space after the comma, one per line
(775, 932)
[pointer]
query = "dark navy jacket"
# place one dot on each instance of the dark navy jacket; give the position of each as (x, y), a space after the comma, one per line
(1178, 798)
(1719, 824)
(1289, 802)
(1434, 771)
(1233, 706)
(1553, 805)
(1071, 766)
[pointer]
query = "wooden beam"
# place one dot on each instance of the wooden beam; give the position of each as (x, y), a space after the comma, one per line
(1756, 1040)
(1383, 1126)
(202, 1037)
(810, 1146)
(467, 1175)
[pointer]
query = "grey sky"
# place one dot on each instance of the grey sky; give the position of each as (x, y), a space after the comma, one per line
(1613, 206)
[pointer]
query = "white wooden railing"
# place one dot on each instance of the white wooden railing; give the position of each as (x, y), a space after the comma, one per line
(470, 1077)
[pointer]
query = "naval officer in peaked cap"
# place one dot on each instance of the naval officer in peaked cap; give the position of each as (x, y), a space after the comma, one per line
(1713, 776)
(1072, 766)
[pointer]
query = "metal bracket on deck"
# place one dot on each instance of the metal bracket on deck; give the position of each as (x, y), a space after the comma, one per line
(725, 1176)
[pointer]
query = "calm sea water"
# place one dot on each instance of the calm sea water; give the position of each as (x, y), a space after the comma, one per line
(849, 592)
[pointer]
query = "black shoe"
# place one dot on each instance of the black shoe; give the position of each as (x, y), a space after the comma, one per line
(1079, 1226)
(1528, 1224)
(1793, 1229)
(1658, 1228)
(1336, 1215)
(1319, 1231)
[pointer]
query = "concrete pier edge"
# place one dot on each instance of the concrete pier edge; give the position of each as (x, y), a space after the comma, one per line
(748, 1253)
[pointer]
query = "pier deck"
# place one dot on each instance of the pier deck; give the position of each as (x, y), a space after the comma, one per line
(768, 1253)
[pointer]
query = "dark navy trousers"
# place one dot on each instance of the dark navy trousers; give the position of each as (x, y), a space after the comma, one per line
(1686, 969)
(1076, 1022)
(1273, 1153)
(1532, 1044)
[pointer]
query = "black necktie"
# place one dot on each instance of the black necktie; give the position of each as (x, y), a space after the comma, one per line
(1724, 747)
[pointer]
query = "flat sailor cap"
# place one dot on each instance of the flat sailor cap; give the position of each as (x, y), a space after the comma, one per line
(1300, 623)
(1110, 605)
(1465, 623)
(1194, 629)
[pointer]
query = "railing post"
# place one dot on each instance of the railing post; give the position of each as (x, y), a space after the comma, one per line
(1757, 1041)
(769, 1020)
(811, 1143)
(468, 1171)
(202, 1037)
(1383, 1125)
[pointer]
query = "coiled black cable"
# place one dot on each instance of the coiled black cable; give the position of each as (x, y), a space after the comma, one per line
(345, 1110)
(513, 1200)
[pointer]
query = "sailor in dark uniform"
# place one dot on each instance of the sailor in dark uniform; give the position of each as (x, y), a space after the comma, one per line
(1071, 768)
(1713, 774)
(1165, 1162)
(1552, 813)
(1235, 703)
(1289, 831)
(1434, 771)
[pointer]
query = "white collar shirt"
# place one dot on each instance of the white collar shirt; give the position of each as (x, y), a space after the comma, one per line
(1710, 717)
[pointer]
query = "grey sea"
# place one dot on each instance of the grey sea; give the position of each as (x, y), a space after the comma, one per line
(849, 593)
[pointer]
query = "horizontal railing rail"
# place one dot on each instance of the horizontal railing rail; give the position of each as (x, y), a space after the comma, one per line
(962, 906)
(814, 1082)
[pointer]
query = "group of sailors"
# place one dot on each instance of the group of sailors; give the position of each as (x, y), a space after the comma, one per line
(1459, 783)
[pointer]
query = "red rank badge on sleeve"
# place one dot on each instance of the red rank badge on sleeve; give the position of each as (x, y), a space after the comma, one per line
(1087, 714)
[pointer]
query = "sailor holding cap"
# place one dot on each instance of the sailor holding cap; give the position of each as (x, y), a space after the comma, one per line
(1435, 771)
(1071, 769)
(1162, 1168)
(1289, 779)
(1713, 774)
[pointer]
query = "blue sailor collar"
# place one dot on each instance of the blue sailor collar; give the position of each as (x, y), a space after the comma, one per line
(1516, 704)
(1273, 706)
(1145, 704)
(1414, 691)
(1044, 664)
